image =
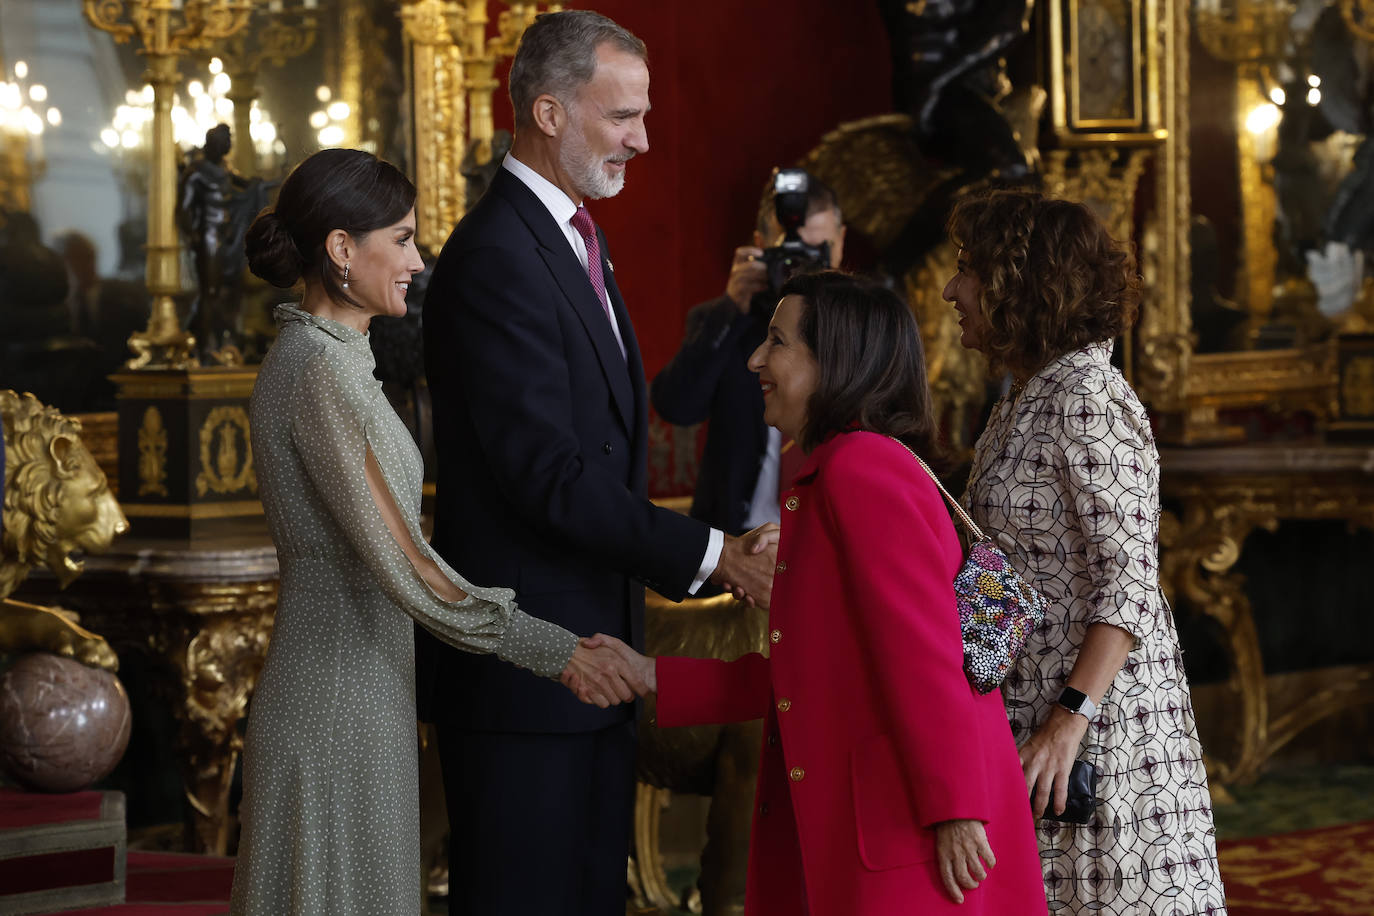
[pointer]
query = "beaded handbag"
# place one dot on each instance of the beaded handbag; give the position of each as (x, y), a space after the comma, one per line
(998, 608)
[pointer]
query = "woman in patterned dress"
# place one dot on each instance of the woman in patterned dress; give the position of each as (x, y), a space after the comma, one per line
(331, 799)
(1067, 477)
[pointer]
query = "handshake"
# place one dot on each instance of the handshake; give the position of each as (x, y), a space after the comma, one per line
(605, 671)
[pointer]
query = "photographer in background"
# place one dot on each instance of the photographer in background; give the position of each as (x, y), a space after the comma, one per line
(738, 482)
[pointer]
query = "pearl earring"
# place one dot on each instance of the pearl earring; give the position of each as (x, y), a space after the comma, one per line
(345, 276)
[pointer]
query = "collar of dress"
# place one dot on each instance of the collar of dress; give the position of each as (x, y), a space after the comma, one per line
(288, 312)
(1094, 354)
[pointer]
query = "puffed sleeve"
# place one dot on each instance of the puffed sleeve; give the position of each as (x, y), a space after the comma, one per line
(1110, 473)
(332, 428)
(898, 549)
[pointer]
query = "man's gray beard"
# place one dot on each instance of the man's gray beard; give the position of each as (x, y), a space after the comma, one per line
(587, 171)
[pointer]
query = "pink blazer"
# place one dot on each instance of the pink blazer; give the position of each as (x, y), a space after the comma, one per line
(872, 732)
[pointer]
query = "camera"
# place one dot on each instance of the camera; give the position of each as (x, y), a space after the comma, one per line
(792, 256)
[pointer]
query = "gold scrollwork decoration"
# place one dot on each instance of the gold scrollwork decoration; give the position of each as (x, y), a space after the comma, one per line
(152, 454)
(230, 470)
(208, 21)
(105, 15)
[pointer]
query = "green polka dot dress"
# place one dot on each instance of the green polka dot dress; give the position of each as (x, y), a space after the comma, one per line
(330, 810)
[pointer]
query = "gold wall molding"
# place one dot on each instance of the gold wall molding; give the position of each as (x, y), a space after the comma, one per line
(439, 109)
(1257, 266)
(452, 82)
(1164, 346)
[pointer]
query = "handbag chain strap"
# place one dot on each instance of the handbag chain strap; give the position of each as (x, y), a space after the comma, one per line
(954, 504)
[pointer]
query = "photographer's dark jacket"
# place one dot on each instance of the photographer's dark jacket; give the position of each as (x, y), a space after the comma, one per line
(709, 379)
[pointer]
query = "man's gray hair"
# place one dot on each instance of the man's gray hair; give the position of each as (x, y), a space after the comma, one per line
(557, 55)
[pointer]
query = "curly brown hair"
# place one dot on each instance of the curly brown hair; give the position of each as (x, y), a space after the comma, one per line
(1053, 279)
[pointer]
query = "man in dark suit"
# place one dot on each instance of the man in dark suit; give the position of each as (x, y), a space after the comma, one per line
(709, 379)
(540, 422)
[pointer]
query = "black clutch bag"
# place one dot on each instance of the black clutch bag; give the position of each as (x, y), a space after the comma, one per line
(1082, 796)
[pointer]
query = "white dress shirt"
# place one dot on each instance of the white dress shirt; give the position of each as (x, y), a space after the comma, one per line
(562, 208)
(764, 506)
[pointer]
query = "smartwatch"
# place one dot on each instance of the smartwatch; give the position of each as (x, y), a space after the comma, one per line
(1077, 701)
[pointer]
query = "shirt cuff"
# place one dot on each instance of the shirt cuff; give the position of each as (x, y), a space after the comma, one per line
(710, 561)
(534, 643)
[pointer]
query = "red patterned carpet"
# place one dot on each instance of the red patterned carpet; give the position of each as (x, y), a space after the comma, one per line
(1329, 871)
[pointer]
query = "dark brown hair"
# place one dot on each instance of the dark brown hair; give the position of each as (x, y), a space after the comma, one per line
(872, 364)
(344, 189)
(1053, 278)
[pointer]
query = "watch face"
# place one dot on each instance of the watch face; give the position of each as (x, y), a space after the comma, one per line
(1072, 699)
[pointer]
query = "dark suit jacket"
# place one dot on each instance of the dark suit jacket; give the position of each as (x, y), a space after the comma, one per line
(709, 379)
(541, 432)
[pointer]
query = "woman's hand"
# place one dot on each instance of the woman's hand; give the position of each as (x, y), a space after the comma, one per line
(963, 855)
(1048, 755)
(604, 671)
(639, 670)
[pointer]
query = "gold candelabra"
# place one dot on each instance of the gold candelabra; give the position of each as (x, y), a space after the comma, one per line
(166, 29)
(24, 116)
(453, 75)
(286, 32)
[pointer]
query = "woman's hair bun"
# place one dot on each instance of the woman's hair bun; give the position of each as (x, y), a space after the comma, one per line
(272, 253)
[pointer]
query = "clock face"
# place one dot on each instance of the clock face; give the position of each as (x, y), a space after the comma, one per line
(1102, 63)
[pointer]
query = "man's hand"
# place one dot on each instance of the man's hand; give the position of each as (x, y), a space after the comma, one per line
(642, 666)
(748, 276)
(602, 676)
(747, 564)
(1048, 755)
(963, 856)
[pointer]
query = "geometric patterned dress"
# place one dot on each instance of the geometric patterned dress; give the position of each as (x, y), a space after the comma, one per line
(1066, 477)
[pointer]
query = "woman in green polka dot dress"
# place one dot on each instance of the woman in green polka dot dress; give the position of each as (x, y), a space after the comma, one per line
(331, 800)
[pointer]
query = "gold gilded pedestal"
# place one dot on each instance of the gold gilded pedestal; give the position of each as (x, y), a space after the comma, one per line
(1225, 494)
(203, 616)
(193, 587)
(186, 460)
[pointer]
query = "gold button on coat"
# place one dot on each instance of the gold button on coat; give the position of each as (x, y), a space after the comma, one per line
(792, 503)
(782, 566)
(784, 704)
(776, 636)
(797, 774)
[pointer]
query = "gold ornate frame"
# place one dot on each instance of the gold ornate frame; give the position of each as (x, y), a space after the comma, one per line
(1187, 390)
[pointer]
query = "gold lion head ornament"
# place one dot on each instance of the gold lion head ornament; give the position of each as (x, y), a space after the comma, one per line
(57, 500)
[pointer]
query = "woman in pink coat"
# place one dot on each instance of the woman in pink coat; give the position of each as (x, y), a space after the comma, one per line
(887, 784)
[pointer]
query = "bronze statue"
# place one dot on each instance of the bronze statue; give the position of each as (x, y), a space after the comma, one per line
(56, 501)
(949, 75)
(214, 206)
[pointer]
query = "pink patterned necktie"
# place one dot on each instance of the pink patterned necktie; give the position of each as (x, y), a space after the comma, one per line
(582, 222)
